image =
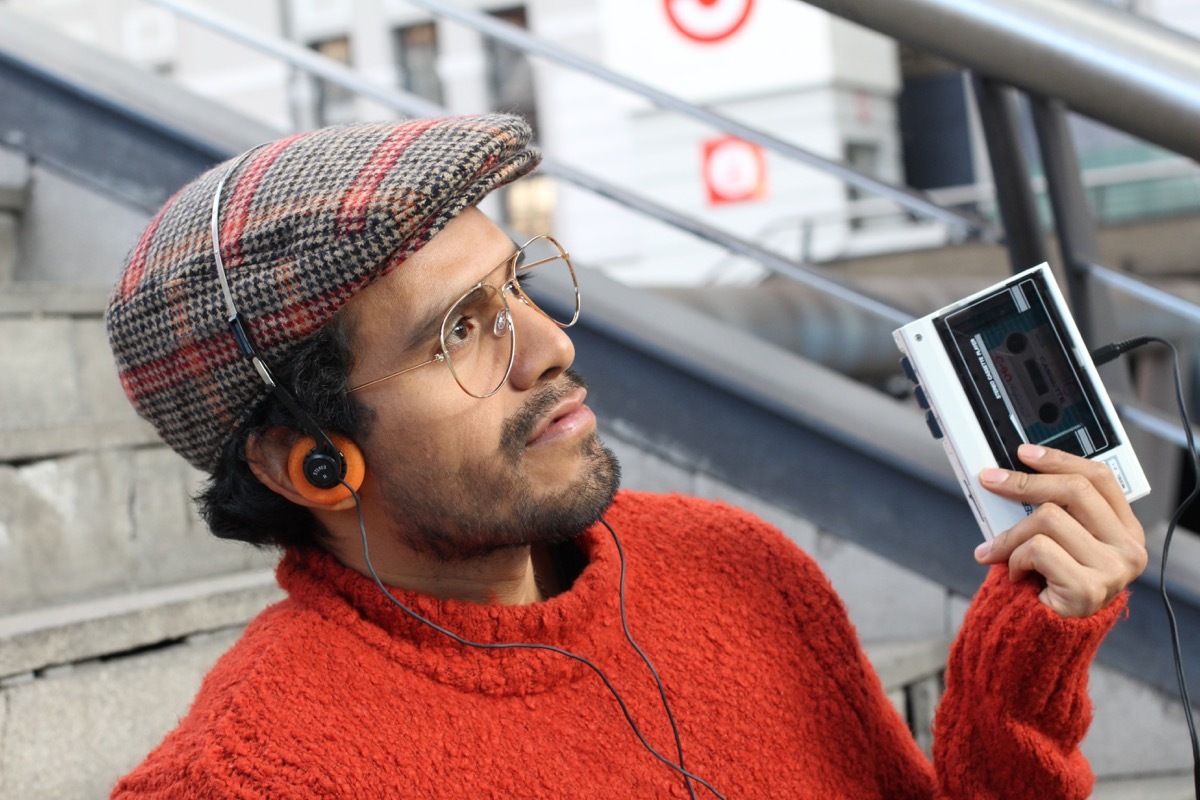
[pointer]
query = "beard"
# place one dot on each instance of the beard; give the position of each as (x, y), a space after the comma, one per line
(493, 505)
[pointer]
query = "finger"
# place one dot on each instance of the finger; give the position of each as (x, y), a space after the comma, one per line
(1048, 520)
(1039, 553)
(1071, 590)
(1072, 492)
(1049, 461)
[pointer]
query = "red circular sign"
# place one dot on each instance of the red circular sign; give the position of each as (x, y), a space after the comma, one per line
(708, 20)
(734, 171)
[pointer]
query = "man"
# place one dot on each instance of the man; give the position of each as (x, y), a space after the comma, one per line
(473, 608)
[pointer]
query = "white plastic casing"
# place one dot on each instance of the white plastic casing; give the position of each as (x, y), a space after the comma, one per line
(950, 410)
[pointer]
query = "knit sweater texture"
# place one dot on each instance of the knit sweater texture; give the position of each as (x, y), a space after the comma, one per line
(335, 693)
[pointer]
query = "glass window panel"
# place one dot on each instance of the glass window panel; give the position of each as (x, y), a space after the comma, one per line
(334, 104)
(416, 58)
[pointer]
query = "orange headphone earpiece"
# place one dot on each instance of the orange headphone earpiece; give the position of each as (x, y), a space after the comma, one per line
(310, 469)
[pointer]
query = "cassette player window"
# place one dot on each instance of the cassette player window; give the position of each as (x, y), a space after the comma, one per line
(1025, 384)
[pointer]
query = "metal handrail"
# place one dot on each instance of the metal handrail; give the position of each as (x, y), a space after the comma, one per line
(1093, 178)
(984, 191)
(510, 34)
(411, 105)
(1121, 69)
(734, 244)
(1145, 292)
(979, 193)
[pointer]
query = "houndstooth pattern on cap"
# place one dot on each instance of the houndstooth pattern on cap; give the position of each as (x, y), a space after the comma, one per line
(306, 222)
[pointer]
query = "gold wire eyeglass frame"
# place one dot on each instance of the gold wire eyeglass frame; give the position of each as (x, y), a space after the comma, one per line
(513, 282)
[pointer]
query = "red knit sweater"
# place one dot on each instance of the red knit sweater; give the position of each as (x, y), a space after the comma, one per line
(335, 693)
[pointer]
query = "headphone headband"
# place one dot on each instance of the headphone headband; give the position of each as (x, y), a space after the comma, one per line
(324, 466)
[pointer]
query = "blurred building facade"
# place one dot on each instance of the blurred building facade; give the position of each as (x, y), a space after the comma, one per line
(838, 90)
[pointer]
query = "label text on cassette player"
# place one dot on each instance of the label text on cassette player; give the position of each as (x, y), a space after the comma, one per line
(1115, 466)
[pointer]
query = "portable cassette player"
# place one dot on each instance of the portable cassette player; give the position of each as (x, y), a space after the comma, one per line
(1007, 366)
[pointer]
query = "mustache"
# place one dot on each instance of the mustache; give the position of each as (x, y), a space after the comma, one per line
(518, 428)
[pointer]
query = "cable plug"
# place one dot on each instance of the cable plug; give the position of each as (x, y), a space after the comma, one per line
(1105, 354)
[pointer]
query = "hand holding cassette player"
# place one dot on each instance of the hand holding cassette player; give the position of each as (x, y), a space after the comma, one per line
(1082, 538)
(1010, 389)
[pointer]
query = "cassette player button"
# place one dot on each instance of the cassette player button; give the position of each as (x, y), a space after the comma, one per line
(908, 368)
(934, 428)
(922, 400)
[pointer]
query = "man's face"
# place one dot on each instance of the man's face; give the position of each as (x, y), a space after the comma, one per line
(456, 476)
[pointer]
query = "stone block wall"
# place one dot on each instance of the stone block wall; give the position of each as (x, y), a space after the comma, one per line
(114, 598)
(87, 689)
(92, 503)
(69, 732)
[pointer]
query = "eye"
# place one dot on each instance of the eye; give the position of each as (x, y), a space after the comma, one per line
(517, 286)
(458, 332)
(464, 320)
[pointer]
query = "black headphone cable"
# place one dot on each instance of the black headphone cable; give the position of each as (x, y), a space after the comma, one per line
(687, 776)
(1103, 355)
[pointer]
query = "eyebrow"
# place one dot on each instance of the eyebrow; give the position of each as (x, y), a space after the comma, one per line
(431, 328)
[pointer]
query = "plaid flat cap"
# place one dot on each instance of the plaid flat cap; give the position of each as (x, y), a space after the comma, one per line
(306, 222)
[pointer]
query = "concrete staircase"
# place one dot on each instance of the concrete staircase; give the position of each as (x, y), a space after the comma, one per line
(114, 599)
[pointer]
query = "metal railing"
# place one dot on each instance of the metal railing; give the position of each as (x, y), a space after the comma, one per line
(410, 105)
(1107, 64)
(910, 199)
(981, 35)
(1101, 183)
(935, 205)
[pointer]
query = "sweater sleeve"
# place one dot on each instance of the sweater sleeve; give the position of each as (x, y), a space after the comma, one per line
(1015, 708)
(1016, 705)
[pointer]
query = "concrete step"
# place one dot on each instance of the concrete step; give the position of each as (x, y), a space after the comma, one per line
(1158, 787)
(55, 636)
(94, 504)
(71, 731)
(912, 675)
(87, 689)
(62, 395)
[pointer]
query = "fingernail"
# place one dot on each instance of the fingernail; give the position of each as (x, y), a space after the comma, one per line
(993, 475)
(981, 552)
(1031, 451)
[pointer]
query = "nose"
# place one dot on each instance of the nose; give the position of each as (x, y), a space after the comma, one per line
(544, 350)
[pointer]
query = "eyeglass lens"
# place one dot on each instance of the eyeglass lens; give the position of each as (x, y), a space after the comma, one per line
(478, 337)
(544, 256)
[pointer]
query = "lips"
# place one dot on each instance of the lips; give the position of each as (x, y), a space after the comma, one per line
(567, 418)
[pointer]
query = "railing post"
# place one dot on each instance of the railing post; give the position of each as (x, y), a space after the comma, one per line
(1073, 218)
(1094, 312)
(1010, 173)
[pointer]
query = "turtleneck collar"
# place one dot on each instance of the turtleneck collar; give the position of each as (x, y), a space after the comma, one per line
(584, 619)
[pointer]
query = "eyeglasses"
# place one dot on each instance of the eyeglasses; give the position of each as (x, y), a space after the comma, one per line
(478, 340)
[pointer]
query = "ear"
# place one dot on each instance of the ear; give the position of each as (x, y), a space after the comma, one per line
(300, 457)
(277, 459)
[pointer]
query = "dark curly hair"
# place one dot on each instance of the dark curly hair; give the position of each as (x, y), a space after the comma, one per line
(233, 502)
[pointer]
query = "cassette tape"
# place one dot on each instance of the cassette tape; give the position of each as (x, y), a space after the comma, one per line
(1007, 366)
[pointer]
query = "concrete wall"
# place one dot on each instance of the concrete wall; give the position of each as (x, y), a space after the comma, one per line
(91, 504)
(86, 247)
(87, 689)
(114, 599)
